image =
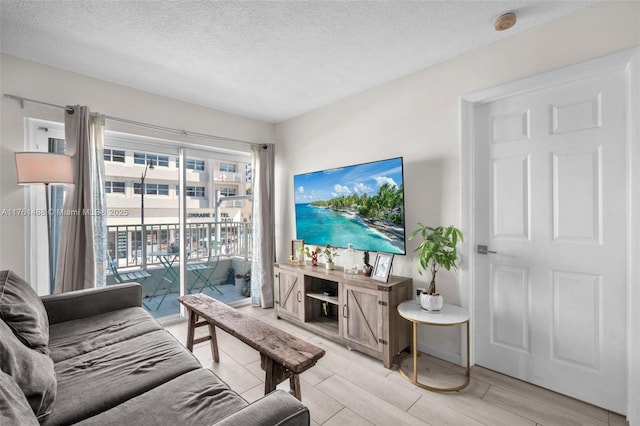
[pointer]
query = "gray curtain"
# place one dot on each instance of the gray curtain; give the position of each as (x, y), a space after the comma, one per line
(264, 250)
(82, 246)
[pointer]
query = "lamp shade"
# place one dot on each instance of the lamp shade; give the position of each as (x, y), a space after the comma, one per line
(43, 167)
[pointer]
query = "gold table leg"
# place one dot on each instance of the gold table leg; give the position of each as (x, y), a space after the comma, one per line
(414, 379)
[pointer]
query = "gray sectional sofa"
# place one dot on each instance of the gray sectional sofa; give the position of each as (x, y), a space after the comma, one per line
(95, 357)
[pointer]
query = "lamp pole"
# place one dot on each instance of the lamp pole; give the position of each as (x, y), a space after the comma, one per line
(148, 166)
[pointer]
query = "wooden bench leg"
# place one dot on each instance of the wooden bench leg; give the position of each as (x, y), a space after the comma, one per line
(270, 379)
(294, 386)
(193, 318)
(214, 343)
(191, 340)
(275, 374)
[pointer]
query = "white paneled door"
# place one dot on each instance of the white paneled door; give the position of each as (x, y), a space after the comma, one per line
(551, 202)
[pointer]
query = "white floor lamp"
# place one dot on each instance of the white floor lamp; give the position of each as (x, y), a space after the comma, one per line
(49, 169)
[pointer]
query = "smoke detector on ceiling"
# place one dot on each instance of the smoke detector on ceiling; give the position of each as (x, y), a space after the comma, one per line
(504, 21)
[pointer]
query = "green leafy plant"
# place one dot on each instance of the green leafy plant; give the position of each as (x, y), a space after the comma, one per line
(438, 249)
(328, 252)
(307, 252)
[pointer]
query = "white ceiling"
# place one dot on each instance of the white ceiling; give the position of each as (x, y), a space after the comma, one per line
(271, 60)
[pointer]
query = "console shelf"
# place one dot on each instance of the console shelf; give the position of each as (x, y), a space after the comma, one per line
(362, 315)
(319, 296)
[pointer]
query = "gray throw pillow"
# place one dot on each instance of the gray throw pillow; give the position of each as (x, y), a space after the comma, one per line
(14, 408)
(23, 311)
(31, 370)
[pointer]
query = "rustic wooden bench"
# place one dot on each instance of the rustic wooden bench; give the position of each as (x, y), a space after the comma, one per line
(282, 356)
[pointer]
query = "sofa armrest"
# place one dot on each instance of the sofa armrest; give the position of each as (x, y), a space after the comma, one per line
(85, 303)
(278, 408)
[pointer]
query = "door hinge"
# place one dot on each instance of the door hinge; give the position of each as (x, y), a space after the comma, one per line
(382, 302)
(384, 342)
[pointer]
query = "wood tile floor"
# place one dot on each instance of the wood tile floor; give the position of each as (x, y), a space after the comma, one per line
(349, 388)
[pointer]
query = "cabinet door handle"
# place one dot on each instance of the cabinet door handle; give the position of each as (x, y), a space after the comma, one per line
(299, 295)
(277, 275)
(345, 311)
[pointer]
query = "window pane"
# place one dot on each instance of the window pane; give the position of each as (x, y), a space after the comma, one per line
(118, 156)
(227, 167)
(118, 187)
(139, 158)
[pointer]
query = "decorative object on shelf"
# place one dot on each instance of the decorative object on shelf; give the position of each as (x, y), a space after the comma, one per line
(367, 268)
(329, 253)
(313, 255)
(350, 260)
(302, 256)
(382, 267)
(296, 245)
(438, 249)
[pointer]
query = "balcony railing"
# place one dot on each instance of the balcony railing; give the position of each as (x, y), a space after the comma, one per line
(224, 238)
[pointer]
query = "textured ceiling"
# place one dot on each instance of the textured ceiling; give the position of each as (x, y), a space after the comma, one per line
(271, 60)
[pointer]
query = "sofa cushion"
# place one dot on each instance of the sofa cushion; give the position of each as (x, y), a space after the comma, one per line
(96, 381)
(195, 398)
(77, 337)
(14, 407)
(23, 311)
(32, 371)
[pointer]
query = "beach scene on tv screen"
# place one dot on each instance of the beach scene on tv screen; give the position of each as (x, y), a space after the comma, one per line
(361, 204)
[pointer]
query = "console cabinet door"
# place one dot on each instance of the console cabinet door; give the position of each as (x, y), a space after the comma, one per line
(362, 316)
(288, 294)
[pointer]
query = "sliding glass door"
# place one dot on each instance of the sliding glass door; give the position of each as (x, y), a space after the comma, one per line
(218, 224)
(205, 250)
(142, 192)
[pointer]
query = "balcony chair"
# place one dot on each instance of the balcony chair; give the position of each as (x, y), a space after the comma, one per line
(127, 277)
(204, 272)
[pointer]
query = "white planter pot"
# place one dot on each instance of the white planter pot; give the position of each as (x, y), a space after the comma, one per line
(431, 302)
(330, 265)
(239, 284)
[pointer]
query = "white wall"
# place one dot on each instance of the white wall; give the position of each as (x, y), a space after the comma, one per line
(30, 80)
(418, 117)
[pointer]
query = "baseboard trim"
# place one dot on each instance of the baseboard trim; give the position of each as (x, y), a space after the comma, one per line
(439, 353)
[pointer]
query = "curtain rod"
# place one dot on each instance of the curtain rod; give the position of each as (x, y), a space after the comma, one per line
(175, 131)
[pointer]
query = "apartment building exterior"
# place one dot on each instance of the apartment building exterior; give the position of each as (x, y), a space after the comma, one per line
(205, 178)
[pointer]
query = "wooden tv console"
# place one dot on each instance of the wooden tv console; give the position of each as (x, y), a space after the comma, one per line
(353, 310)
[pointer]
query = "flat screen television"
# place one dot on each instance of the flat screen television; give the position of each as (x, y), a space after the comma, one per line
(361, 204)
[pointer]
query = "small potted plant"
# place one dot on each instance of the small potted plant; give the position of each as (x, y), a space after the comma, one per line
(437, 249)
(329, 254)
(313, 255)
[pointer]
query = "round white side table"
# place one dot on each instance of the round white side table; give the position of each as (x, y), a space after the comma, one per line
(449, 315)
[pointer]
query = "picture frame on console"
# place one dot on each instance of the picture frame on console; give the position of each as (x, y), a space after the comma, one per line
(382, 267)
